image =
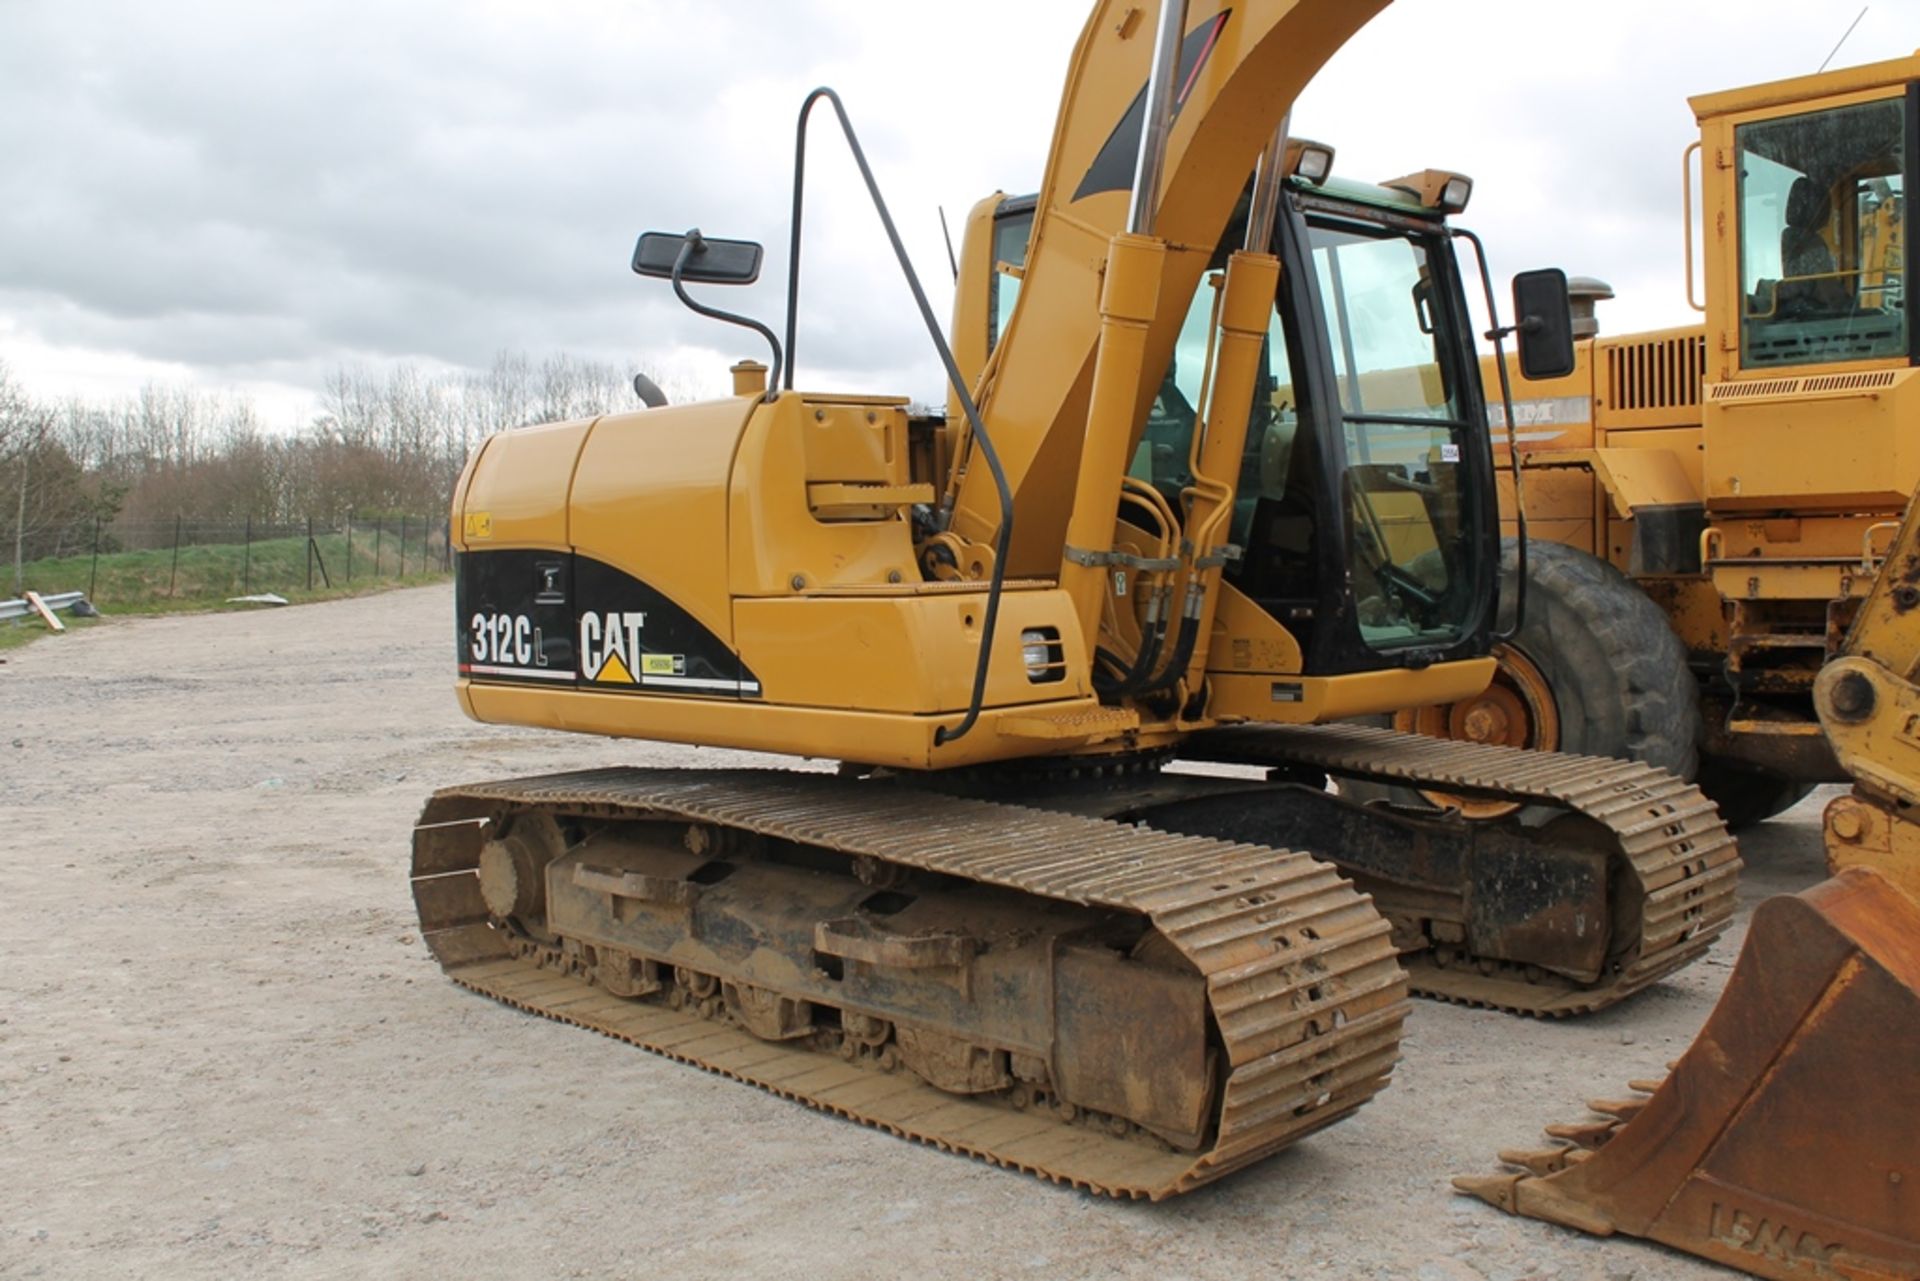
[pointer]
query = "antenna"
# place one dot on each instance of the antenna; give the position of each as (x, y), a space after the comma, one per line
(951, 260)
(1843, 39)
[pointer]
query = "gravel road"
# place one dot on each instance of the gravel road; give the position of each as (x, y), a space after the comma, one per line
(225, 1052)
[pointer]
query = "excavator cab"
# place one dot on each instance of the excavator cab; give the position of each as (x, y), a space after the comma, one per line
(1364, 511)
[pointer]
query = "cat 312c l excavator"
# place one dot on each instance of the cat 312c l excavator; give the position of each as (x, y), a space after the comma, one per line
(1224, 480)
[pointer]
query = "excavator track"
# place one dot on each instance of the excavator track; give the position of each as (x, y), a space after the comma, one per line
(1303, 996)
(1681, 863)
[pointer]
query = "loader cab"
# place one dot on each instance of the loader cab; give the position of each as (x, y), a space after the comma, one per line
(1364, 509)
(1813, 378)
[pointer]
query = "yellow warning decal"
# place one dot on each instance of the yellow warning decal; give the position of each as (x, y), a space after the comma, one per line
(613, 672)
(478, 524)
(660, 664)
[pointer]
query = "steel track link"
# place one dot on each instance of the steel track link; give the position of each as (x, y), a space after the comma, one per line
(1303, 984)
(1666, 833)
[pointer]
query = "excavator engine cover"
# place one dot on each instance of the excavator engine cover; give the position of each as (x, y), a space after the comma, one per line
(1786, 1142)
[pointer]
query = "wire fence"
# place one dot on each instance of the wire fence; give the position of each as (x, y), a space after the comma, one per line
(190, 560)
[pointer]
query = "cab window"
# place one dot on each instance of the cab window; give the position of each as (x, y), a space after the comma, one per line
(1164, 458)
(1010, 235)
(1822, 207)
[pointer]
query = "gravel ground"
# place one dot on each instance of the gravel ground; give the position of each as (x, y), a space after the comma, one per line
(224, 1050)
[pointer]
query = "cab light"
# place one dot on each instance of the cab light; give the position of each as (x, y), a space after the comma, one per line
(1440, 189)
(1309, 160)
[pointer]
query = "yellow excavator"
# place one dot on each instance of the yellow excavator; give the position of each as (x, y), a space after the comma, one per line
(1219, 478)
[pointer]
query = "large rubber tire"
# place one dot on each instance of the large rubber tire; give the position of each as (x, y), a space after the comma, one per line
(1618, 673)
(1745, 796)
(1614, 673)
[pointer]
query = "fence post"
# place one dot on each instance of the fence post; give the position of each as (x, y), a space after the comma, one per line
(403, 548)
(349, 546)
(246, 563)
(379, 528)
(173, 575)
(93, 573)
(446, 546)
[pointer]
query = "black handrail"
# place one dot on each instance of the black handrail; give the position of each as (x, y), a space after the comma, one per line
(941, 735)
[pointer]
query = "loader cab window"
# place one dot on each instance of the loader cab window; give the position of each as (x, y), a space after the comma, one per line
(1822, 207)
(1387, 302)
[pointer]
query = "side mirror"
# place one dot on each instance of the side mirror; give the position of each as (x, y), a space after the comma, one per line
(709, 261)
(1543, 323)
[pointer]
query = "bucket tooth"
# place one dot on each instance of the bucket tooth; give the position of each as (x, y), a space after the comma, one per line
(1536, 1160)
(1619, 1109)
(1496, 1190)
(1536, 1198)
(1646, 1085)
(1786, 1142)
(1585, 1134)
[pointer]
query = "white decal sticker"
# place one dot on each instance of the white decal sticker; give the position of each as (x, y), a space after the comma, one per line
(501, 638)
(610, 645)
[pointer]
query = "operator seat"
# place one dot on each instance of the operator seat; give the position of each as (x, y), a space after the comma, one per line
(1804, 253)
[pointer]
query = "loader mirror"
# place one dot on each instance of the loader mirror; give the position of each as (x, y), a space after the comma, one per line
(712, 262)
(1543, 321)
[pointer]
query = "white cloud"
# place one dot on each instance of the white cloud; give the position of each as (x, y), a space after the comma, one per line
(245, 196)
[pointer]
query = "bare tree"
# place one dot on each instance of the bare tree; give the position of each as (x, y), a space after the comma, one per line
(391, 440)
(26, 428)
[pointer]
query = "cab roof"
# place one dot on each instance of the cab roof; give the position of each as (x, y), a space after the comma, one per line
(1368, 193)
(1779, 93)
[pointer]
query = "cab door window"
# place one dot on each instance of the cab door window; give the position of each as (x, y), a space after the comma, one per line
(1405, 433)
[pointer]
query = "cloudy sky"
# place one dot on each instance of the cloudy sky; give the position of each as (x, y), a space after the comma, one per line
(244, 196)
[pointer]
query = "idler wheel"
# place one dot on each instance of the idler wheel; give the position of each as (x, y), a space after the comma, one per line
(513, 867)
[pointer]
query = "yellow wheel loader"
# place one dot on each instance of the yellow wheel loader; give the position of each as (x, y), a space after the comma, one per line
(1709, 505)
(1219, 477)
(1786, 1142)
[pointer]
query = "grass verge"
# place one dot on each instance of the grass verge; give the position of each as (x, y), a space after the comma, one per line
(208, 577)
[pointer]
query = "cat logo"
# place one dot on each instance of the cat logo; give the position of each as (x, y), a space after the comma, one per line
(610, 646)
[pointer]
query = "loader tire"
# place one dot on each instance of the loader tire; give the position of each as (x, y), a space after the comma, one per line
(1746, 796)
(1595, 669)
(1618, 673)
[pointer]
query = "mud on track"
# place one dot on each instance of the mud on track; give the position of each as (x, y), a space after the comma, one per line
(224, 1051)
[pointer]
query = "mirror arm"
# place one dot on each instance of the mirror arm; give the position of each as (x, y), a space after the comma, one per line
(1494, 335)
(693, 244)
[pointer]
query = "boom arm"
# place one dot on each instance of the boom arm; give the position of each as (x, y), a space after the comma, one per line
(1240, 68)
